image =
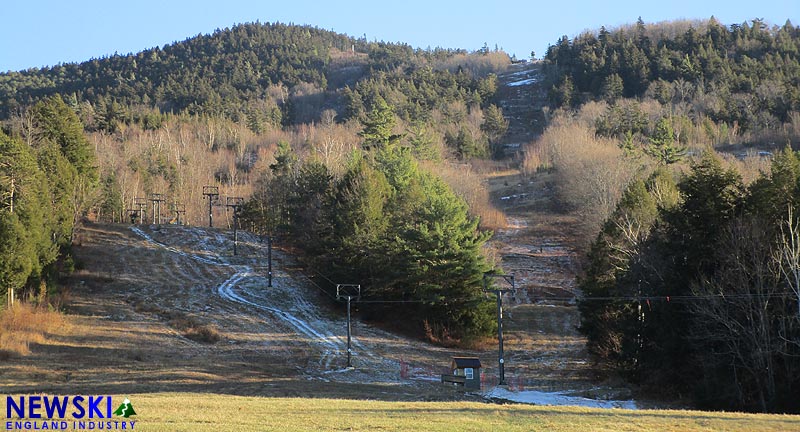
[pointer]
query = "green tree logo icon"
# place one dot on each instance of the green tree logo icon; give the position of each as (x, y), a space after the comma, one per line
(125, 410)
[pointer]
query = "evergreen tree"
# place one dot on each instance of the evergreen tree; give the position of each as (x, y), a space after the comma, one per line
(663, 145)
(612, 88)
(445, 243)
(494, 126)
(378, 126)
(111, 205)
(56, 121)
(63, 180)
(612, 326)
(26, 215)
(19, 256)
(285, 159)
(562, 95)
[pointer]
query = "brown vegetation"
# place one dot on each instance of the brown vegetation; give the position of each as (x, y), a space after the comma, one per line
(189, 327)
(186, 153)
(477, 65)
(591, 172)
(24, 324)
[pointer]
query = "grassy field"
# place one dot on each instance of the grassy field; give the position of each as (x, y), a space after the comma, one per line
(204, 412)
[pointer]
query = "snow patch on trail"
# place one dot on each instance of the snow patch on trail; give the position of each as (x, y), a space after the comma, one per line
(331, 345)
(172, 249)
(556, 398)
(522, 82)
(226, 291)
(517, 73)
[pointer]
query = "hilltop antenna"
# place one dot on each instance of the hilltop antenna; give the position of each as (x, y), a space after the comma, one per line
(235, 203)
(349, 292)
(212, 194)
(157, 199)
(499, 293)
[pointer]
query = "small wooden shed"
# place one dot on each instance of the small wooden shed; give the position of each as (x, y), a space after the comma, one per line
(466, 372)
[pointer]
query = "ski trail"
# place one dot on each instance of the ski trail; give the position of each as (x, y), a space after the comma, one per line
(172, 249)
(308, 312)
(330, 347)
(226, 291)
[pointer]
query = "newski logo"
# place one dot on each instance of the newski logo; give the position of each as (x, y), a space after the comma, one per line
(58, 405)
(85, 413)
(125, 410)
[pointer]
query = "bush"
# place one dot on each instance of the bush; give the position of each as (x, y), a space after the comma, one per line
(202, 333)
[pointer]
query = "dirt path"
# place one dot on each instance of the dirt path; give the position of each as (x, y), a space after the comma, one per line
(545, 351)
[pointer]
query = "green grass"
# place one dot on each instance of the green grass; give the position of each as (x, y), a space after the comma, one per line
(206, 412)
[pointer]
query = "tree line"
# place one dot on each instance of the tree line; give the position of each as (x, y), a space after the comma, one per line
(743, 76)
(690, 286)
(387, 224)
(48, 175)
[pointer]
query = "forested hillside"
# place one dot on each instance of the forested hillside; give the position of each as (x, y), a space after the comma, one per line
(251, 73)
(674, 144)
(743, 74)
(209, 73)
(291, 116)
(677, 141)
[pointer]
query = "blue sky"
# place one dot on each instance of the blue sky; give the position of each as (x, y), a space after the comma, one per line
(38, 33)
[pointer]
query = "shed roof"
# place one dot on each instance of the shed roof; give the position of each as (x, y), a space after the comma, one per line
(466, 362)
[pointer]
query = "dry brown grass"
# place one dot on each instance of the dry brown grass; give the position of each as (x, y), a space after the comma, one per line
(202, 333)
(209, 412)
(189, 327)
(24, 324)
(470, 186)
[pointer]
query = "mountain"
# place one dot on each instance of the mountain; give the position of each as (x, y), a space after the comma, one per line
(200, 73)
(231, 72)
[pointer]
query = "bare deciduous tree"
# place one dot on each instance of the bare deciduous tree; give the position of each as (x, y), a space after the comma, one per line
(789, 254)
(591, 172)
(736, 312)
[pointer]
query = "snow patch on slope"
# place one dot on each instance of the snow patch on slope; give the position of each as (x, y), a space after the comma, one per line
(556, 398)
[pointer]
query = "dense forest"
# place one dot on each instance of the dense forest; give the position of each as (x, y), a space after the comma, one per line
(693, 287)
(745, 76)
(259, 74)
(387, 223)
(284, 116)
(46, 181)
(675, 141)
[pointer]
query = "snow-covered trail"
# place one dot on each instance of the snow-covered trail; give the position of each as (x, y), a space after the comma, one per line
(330, 345)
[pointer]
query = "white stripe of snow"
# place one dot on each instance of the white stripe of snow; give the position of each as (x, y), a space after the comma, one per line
(556, 398)
(523, 82)
(225, 290)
